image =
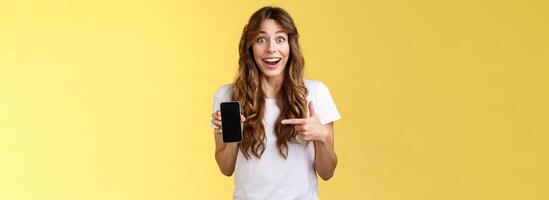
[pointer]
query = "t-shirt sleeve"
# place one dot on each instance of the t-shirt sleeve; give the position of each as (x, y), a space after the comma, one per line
(324, 105)
(221, 95)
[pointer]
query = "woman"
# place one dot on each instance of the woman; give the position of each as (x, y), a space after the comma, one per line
(288, 121)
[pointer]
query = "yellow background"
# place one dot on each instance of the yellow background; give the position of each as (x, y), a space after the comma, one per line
(112, 99)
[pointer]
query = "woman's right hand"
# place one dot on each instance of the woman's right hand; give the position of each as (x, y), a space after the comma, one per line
(216, 120)
(225, 153)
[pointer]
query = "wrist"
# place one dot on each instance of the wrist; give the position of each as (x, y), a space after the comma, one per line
(325, 136)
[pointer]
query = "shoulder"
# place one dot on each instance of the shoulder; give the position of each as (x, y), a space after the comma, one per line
(223, 91)
(316, 87)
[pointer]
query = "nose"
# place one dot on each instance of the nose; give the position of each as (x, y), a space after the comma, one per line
(271, 48)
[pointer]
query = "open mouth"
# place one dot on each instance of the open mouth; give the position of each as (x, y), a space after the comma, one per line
(271, 61)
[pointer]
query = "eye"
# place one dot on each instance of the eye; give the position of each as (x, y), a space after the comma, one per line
(280, 39)
(260, 40)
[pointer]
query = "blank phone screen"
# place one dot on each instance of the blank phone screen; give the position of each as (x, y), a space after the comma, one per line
(231, 127)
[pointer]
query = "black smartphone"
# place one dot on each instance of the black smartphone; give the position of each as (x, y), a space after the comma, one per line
(231, 126)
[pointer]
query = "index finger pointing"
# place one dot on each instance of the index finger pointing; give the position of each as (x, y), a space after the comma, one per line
(294, 121)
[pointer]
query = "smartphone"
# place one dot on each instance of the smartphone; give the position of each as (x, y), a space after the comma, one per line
(231, 126)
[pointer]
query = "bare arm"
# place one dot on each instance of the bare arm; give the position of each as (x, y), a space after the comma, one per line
(225, 153)
(325, 156)
(310, 129)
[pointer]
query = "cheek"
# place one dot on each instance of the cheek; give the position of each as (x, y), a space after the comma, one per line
(256, 49)
(285, 50)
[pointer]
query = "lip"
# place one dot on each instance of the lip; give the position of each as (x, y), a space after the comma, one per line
(271, 66)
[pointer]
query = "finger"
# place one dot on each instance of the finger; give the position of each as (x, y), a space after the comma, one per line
(312, 111)
(216, 115)
(216, 122)
(303, 133)
(304, 136)
(300, 128)
(242, 118)
(217, 130)
(294, 121)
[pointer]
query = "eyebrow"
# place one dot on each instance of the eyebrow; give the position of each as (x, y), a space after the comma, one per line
(275, 32)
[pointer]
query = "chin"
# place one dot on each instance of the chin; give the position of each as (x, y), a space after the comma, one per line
(272, 74)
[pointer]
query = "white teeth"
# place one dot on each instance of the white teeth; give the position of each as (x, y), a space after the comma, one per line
(271, 59)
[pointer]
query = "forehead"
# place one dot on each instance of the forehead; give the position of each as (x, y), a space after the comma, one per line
(270, 26)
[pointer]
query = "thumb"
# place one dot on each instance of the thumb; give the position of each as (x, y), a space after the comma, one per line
(312, 111)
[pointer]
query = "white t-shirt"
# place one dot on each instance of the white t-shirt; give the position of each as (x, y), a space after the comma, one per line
(271, 176)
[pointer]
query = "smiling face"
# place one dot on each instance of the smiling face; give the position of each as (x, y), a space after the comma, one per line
(271, 49)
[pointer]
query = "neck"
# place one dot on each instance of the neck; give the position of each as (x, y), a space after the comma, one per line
(271, 86)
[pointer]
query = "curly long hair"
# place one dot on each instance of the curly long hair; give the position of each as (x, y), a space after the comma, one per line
(246, 89)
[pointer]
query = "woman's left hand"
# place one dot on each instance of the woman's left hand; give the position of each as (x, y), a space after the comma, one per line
(309, 128)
